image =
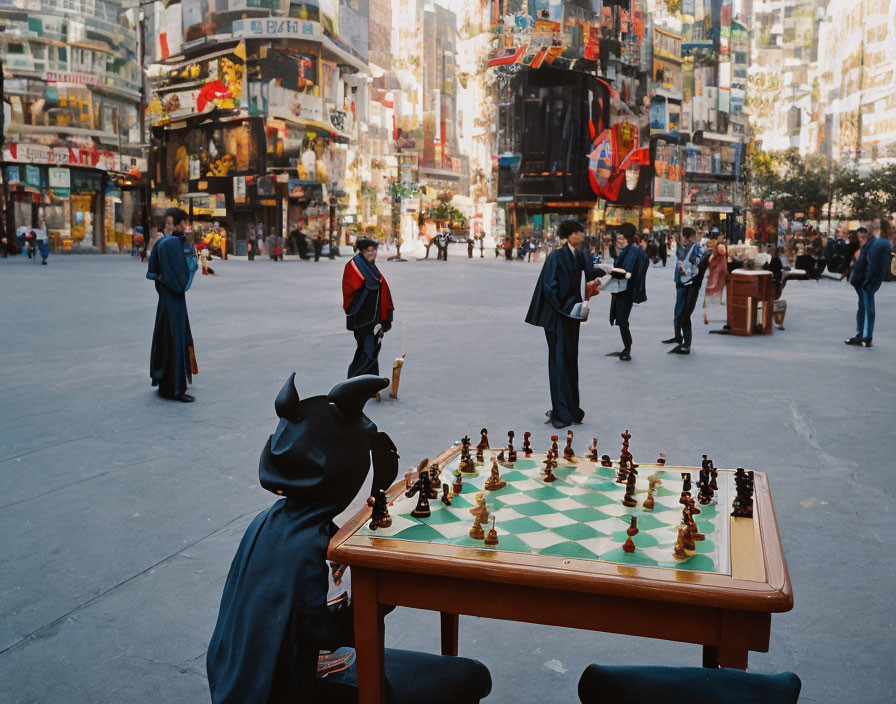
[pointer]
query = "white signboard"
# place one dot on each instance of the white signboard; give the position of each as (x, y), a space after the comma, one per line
(277, 28)
(60, 178)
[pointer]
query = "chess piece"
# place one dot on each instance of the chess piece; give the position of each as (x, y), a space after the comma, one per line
(483, 440)
(492, 537)
(568, 452)
(687, 539)
(692, 506)
(631, 532)
(476, 531)
(678, 552)
(629, 498)
(467, 466)
(592, 451)
(605, 461)
(661, 460)
(686, 479)
(480, 509)
(379, 517)
(527, 446)
(446, 495)
(511, 452)
(649, 502)
(554, 447)
(501, 457)
(549, 474)
(434, 482)
(494, 482)
(622, 472)
(407, 481)
(465, 444)
(423, 490)
(458, 483)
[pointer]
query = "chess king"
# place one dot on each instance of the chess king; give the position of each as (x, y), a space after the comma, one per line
(274, 618)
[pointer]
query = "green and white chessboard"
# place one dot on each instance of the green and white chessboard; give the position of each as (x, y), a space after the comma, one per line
(580, 515)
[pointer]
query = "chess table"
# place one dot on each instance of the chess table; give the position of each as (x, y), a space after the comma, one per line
(559, 561)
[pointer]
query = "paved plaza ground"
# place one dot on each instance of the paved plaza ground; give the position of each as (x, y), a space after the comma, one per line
(120, 512)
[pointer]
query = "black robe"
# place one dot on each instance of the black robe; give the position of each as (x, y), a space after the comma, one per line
(635, 261)
(558, 289)
(171, 267)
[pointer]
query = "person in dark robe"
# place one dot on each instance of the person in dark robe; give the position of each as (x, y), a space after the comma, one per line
(866, 277)
(172, 265)
(557, 291)
(687, 286)
(632, 259)
(368, 306)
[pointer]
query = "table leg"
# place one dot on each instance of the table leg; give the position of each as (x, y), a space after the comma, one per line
(370, 637)
(449, 633)
(710, 656)
(734, 645)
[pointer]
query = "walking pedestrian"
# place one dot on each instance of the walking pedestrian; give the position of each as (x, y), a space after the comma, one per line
(633, 260)
(368, 307)
(714, 305)
(44, 250)
(318, 243)
(867, 276)
(172, 265)
(558, 290)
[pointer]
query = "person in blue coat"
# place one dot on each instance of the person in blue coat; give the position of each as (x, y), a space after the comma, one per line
(868, 274)
(172, 265)
(632, 259)
(558, 289)
(687, 287)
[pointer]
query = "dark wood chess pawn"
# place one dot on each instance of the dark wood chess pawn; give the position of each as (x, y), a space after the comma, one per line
(483, 440)
(631, 531)
(692, 506)
(555, 448)
(527, 445)
(592, 451)
(549, 474)
(568, 452)
(458, 483)
(446, 495)
(467, 466)
(686, 481)
(435, 482)
(479, 454)
(465, 444)
(379, 516)
(492, 537)
(629, 498)
(511, 451)
(661, 460)
(605, 461)
(622, 472)
(501, 457)
(713, 478)
(423, 490)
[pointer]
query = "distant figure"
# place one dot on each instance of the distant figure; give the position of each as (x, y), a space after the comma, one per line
(368, 306)
(250, 249)
(867, 276)
(44, 250)
(4, 251)
(318, 243)
(172, 265)
(632, 259)
(470, 248)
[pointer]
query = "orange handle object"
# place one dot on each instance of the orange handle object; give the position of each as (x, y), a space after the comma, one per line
(396, 376)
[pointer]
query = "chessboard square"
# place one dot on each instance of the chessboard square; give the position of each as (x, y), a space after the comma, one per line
(607, 472)
(638, 557)
(572, 489)
(516, 499)
(525, 464)
(503, 491)
(605, 526)
(541, 540)
(553, 520)
(534, 508)
(569, 549)
(545, 492)
(565, 504)
(586, 514)
(441, 515)
(604, 485)
(577, 532)
(520, 526)
(511, 543)
(615, 508)
(513, 476)
(641, 540)
(697, 563)
(460, 501)
(598, 544)
(452, 531)
(594, 498)
(505, 513)
(646, 521)
(420, 533)
(528, 485)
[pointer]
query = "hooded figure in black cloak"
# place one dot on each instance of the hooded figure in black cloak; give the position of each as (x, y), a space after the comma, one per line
(634, 260)
(368, 307)
(172, 265)
(274, 618)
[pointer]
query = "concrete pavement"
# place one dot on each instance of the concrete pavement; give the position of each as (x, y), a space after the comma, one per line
(120, 512)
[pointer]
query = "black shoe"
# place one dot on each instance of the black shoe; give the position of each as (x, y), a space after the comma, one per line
(679, 349)
(866, 343)
(857, 340)
(672, 341)
(625, 356)
(559, 424)
(549, 414)
(185, 398)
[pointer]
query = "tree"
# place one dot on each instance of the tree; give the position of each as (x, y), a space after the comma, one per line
(870, 196)
(792, 182)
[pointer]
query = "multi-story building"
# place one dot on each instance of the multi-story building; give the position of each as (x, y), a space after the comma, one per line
(72, 156)
(257, 111)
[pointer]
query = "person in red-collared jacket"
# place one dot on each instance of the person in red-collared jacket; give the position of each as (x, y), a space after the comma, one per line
(368, 306)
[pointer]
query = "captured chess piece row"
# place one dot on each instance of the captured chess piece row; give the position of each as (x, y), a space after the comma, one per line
(480, 516)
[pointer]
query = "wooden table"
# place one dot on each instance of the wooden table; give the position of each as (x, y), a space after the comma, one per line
(729, 615)
(751, 298)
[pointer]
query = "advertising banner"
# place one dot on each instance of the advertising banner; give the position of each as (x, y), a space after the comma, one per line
(667, 174)
(18, 152)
